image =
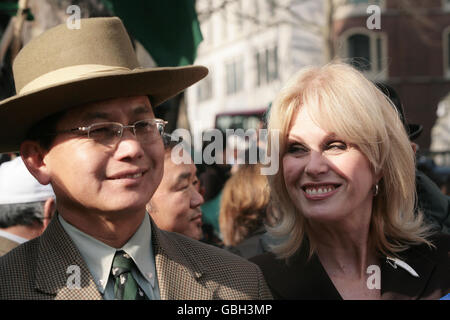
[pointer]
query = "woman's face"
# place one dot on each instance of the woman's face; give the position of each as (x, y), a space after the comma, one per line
(327, 178)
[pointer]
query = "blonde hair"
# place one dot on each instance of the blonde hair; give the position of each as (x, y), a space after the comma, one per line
(243, 208)
(341, 100)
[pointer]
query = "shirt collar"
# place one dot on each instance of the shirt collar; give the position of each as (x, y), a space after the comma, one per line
(12, 237)
(99, 256)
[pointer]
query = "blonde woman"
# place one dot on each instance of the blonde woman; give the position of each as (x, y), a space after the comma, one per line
(244, 211)
(345, 196)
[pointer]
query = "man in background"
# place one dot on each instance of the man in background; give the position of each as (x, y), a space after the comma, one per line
(175, 205)
(430, 200)
(26, 206)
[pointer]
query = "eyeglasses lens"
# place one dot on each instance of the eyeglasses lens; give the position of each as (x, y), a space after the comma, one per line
(110, 133)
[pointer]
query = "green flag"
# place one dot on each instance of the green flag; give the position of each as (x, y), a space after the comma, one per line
(10, 8)
(168, 29)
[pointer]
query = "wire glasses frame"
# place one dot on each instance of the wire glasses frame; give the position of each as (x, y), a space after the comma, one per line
(110, 133)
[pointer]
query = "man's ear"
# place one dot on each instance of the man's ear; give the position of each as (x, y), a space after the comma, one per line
(33, 156)
(415, 147)
(150, 207)
(49, 211)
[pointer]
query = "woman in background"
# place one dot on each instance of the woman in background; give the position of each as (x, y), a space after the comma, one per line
(244, 211)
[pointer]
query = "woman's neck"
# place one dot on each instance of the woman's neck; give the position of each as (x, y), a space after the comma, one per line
(343, 247)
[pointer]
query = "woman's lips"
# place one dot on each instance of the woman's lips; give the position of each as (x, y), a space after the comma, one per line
(320, 191)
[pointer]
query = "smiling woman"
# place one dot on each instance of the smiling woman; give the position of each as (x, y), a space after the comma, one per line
(345, 193)
(355, 116)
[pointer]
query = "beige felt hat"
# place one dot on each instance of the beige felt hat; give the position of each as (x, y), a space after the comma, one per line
(64, 68)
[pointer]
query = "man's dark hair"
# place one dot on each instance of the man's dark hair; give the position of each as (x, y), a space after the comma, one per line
(43, 131)
(21, 214)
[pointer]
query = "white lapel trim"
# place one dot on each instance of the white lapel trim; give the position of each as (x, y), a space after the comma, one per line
(394, 262)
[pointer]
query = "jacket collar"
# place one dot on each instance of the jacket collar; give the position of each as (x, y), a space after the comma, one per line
(59, 263)
(60, 270)
(399, 283)
(300, 278)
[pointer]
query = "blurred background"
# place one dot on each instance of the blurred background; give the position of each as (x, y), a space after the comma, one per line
(252, 47)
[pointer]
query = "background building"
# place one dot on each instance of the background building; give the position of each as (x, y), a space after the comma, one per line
(252, 47)
(410, 52)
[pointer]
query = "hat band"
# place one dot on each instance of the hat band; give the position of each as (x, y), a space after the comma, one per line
(69, 74)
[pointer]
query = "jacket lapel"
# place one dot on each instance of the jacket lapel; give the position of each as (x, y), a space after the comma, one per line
(397, 283)
(299, 278)
(178, 276)
(60, 270)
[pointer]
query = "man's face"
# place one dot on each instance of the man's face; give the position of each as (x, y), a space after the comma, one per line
(175, 206)
(88, 175)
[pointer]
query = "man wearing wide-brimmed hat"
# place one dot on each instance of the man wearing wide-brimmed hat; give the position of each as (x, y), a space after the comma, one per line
(82, 120)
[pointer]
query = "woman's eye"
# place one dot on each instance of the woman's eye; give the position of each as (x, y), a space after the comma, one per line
(296, 148)
(336, 146)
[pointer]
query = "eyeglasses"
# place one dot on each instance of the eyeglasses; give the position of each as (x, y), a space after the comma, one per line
(110, 133)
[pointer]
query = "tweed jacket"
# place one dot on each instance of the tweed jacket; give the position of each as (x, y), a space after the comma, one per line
(303, 279)
(6, 245)
(44, 268)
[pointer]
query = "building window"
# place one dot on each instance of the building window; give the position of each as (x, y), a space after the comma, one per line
(272, 6)
(446, 46)
(235, 76)
(210, 27)
(366, 51)
(448, 52)
(239, 18)
(204, 89)
(224, 18)
(359, 51)
(267, 66)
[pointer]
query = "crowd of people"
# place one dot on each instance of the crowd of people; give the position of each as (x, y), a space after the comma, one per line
(95, 186)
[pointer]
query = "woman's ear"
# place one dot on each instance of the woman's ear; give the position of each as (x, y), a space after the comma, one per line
(378, 177)
(33, 156)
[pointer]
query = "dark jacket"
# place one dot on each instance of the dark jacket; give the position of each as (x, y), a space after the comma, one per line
(257, 243)
(299, 279)
(434, 204)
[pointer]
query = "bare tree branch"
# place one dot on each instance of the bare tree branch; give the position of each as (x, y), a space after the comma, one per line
(421, 22)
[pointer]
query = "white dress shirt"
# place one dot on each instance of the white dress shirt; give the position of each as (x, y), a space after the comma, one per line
(99, 257)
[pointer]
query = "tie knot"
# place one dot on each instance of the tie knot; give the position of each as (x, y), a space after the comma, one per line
(122, 263)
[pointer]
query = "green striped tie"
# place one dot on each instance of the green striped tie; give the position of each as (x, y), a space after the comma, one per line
(125, 286)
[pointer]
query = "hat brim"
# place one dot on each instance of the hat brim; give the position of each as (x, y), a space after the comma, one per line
(414, 131)
(20, 112)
